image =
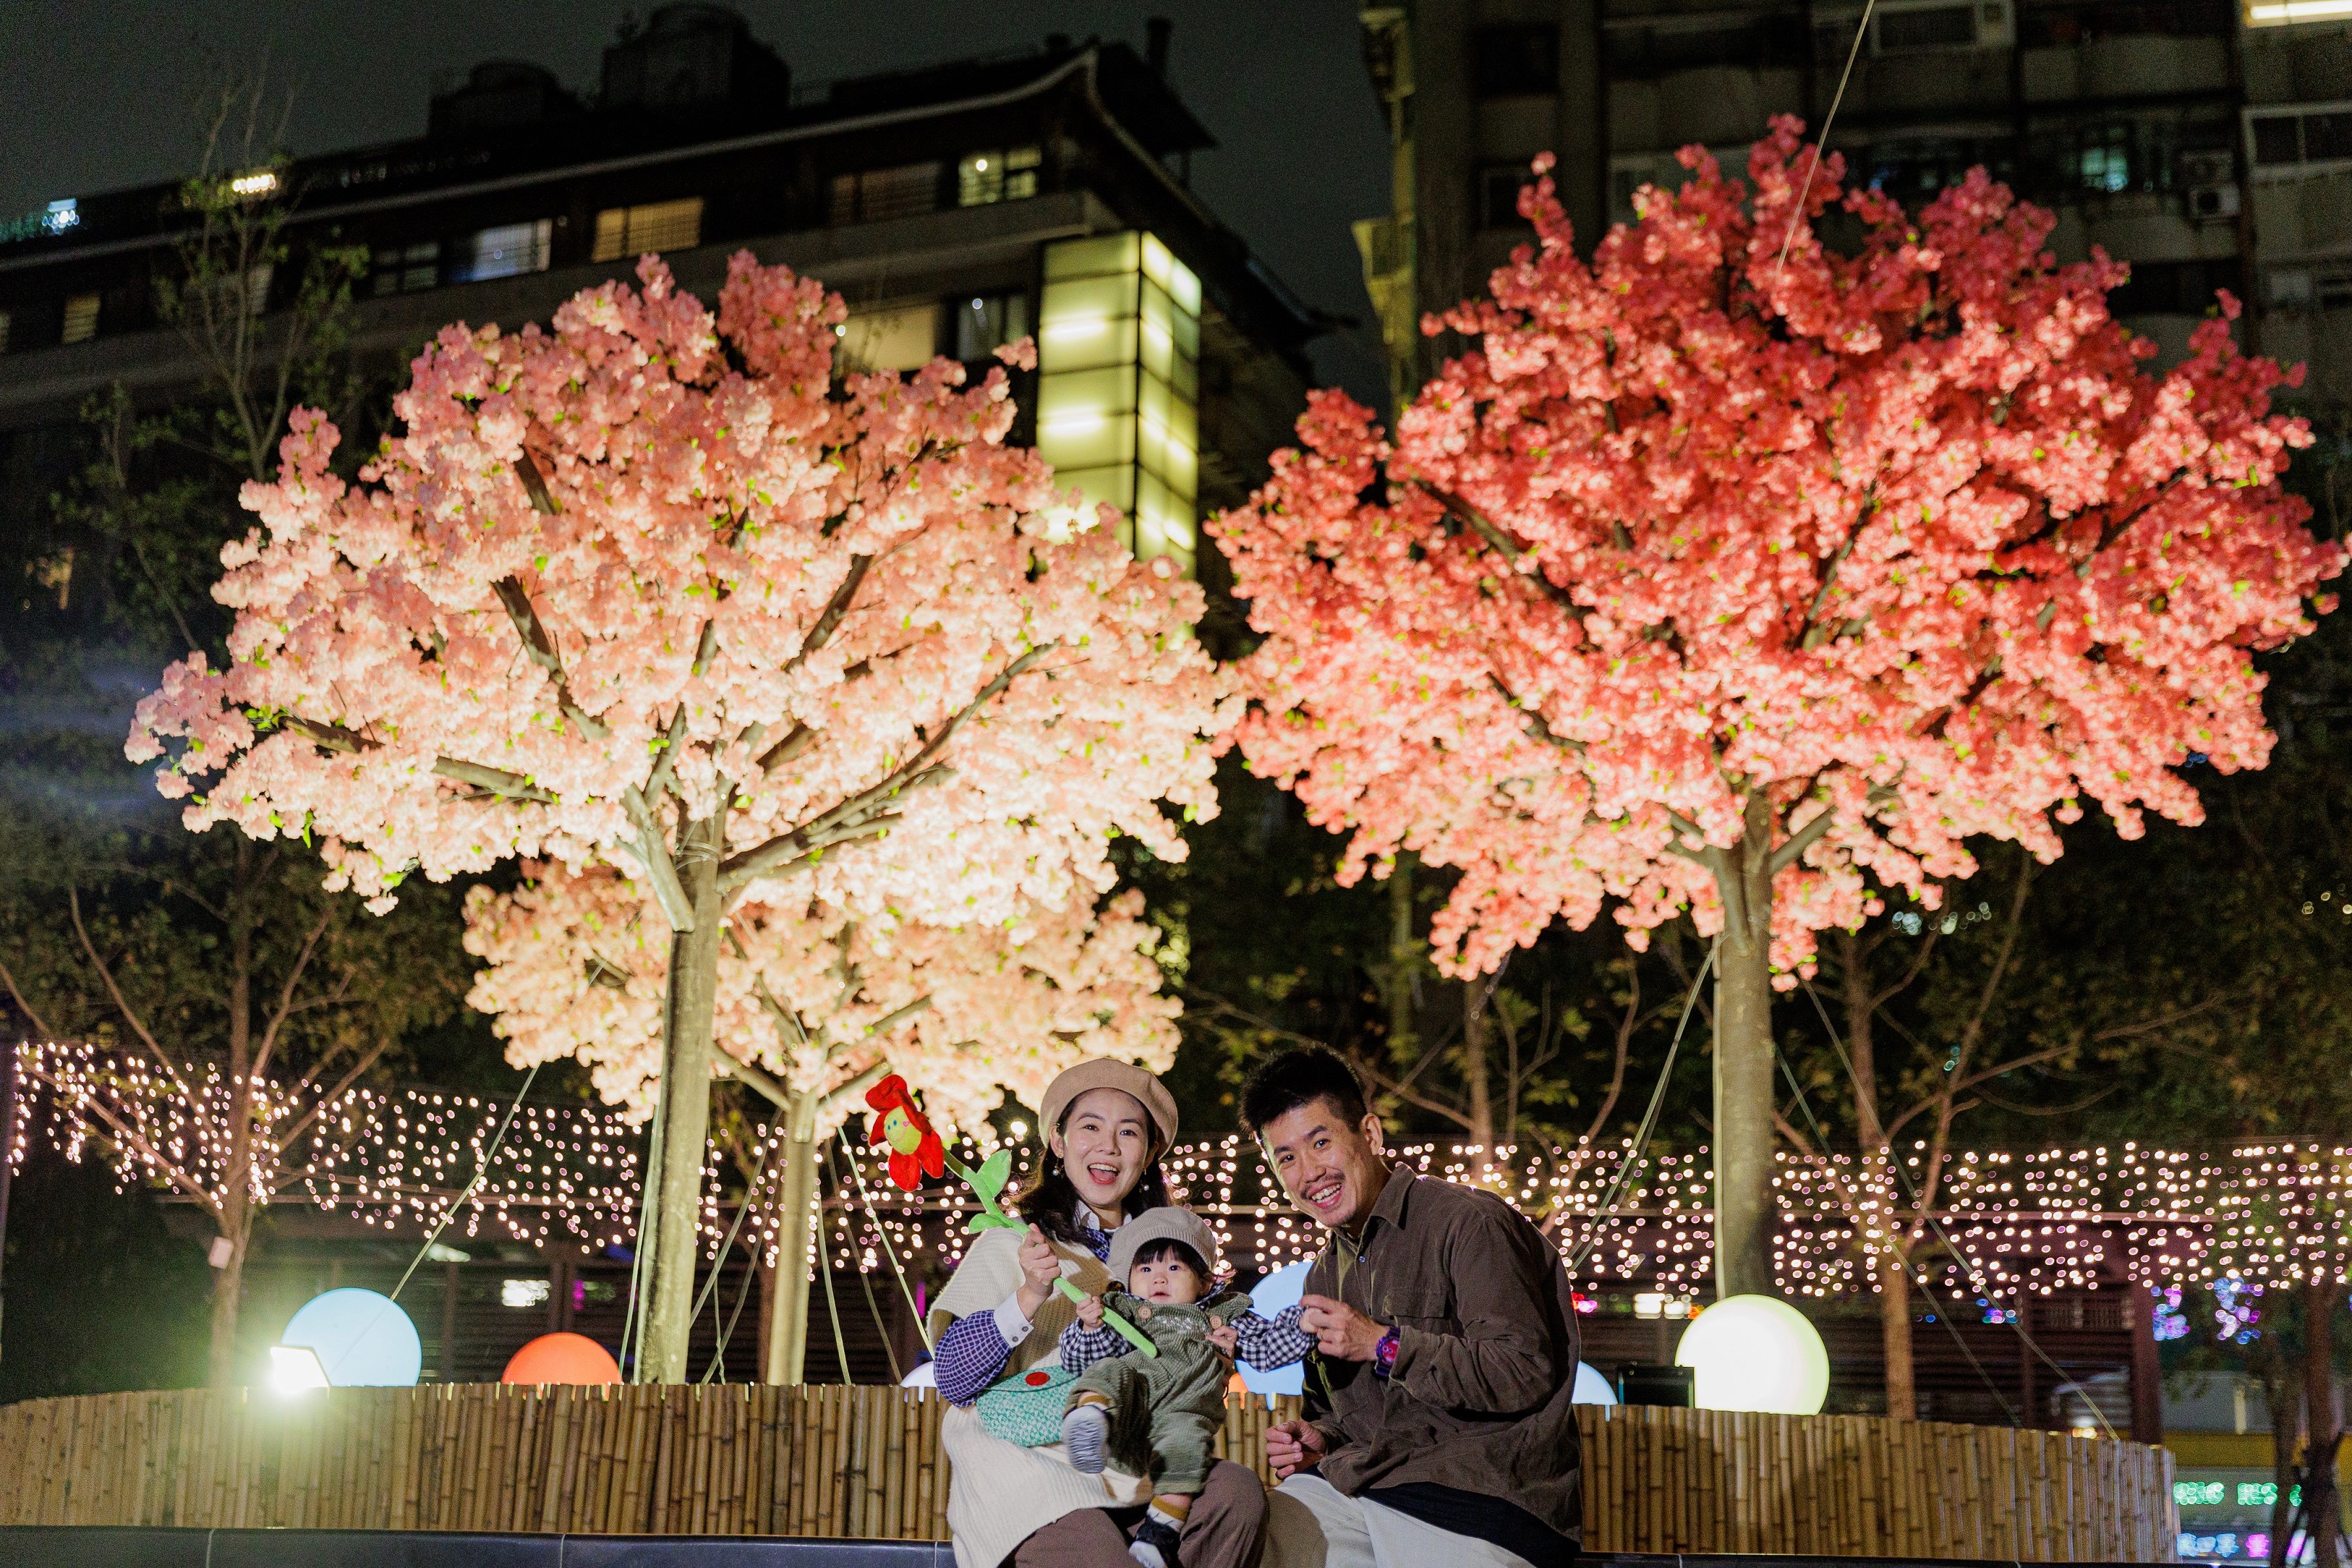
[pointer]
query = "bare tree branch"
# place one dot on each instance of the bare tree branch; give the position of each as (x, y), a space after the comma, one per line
(138, 1024)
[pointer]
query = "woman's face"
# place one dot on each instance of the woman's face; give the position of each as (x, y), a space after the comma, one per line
(1105, 1142)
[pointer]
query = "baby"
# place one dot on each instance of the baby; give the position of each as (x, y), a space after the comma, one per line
(1174, 1400)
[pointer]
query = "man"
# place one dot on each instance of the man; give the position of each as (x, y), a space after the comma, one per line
(1439, 1430)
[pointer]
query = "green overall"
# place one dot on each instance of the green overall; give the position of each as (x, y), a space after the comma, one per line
(1169, 1406)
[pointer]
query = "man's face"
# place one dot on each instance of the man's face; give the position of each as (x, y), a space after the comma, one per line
(1331, 1168)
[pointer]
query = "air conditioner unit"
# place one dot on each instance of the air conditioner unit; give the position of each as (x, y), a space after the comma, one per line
(2208, 182)
(1909, 26)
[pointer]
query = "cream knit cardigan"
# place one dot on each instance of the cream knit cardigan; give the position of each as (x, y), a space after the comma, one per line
(999, 1494)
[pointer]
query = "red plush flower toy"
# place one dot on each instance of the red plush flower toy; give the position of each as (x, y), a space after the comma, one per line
(914, 1144)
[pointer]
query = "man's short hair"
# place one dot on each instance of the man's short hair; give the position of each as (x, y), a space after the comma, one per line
(1301, 1076)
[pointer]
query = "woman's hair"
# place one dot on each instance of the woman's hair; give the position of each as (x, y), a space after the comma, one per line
(1169, 1246)
(1050, 1201)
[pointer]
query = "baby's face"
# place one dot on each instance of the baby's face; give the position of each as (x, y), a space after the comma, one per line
(1168, 1279)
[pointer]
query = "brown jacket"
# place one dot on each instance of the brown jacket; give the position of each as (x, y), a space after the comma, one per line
(1487, 1352)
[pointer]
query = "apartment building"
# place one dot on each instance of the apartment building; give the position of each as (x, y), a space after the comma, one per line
(955, 207)
(2209, 143)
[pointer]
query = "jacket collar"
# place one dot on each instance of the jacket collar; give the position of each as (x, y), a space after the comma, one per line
(1389, 1208)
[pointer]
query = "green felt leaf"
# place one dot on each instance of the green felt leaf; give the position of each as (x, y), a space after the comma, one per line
(995, 1173)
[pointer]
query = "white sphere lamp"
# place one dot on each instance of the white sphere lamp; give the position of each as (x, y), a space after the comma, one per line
(353, 1338)
(1755, 1352)
(1592, 1388)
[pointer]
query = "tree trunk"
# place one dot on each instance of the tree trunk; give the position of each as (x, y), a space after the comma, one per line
(236, 1179)
(784, 1357)
(1744, 1216)
(1395, 977)
(1475, 1076)
(2320, 1421)
(1891, 1256)
(2285, 1412)
(685, 1112)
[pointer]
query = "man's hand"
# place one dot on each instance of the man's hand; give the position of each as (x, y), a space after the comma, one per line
(1228, 1341)
(1090, 1314)
(1292, 1445)
(1040, 1267)
(1340, 1332)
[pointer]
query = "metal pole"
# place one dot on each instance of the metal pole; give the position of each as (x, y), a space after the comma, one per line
(7, 1151)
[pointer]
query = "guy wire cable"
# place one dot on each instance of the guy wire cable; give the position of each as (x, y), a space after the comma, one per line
(629, 1317)
(1649, 1120)
(831, 1307)
(888, 1250)
(866, 1283)
(710, 1283)
(1822, 142)
(481, 1170)
(2017, 1319)
(1822, 1142)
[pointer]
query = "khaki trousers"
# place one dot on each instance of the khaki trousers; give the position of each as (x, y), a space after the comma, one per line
(1225, 1529)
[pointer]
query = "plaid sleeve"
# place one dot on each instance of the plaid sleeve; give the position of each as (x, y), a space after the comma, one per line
(969, 1356)
(1081, 1350)
(1270, 1343)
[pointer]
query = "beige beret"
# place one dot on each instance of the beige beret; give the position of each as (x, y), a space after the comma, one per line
(1107, 1072)
(1166, 1222)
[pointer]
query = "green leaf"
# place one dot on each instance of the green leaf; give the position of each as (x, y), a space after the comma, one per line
(992, 1176)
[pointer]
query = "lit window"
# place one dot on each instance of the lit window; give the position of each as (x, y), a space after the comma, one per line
(901, 339)
(997, 175)
(623, 232)
(875, 195)
(2281, 13)
(988, 321)
(404, 269)
(507, 251)
(522, 1292)
(2105, 161)
(81, 318)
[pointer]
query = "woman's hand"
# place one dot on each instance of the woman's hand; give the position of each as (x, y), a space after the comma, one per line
(1292, 1445)
(1090, 1314)
(1040, 1267)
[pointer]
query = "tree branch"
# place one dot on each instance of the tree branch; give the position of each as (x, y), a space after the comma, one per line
(343, 1086)
(739, 869)
(539, 647)
(828, 622)
(653, 849)
(1504, 545)
(1804, 838)
(139, 1025)
(39, 1027)
(277, 1015)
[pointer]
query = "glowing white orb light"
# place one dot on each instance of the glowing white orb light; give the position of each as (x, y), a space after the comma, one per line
(1592, 1388)
(295, 1369)
(1754, 1352)
(362, 1340)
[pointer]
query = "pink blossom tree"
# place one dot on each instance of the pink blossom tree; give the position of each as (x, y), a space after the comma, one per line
(652, 590)
(814, 1004)
(1733, 574)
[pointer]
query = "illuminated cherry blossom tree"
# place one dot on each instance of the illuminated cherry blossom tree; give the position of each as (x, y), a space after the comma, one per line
(652, 590)
(1734, 575)
(814, 1005)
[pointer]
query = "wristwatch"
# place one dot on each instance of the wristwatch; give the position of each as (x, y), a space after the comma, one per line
(1384, 1354)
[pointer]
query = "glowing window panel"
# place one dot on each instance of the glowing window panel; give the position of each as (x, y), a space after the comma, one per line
(1118, 353)
(624, 232)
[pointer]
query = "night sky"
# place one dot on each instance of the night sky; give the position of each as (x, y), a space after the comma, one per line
(100, 93)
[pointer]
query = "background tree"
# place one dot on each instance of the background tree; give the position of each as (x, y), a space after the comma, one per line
(233, 993)
(813, 1005)
(643, 590)
(1731, 569)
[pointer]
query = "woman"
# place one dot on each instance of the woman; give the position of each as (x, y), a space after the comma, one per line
(1106, 1123)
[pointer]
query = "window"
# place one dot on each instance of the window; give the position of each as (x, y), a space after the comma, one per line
(1498, 195)
(997, 175)
(507, 251)
(624, 232)
(1910, 26)
(901, 339)
(2104, 162)
(404, 269)
(987, 321)
(2296, 138)
(1944, 28)
(875, 195)
(2280, 13)
(81, 318)
(522, 1292)
(1516, 60)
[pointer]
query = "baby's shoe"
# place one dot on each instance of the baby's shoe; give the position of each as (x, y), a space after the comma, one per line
(1085, 1431)
(1155, 1542)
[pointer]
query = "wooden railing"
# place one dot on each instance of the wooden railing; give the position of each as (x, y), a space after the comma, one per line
(865, 1462)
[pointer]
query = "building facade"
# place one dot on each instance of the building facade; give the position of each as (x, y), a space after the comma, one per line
(955, 208)
(2208, 142)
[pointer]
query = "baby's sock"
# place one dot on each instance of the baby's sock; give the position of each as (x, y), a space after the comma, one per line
(1156, 1537)
(1085, 1428)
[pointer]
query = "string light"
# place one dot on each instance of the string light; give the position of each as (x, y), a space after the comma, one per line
(2264, 1213)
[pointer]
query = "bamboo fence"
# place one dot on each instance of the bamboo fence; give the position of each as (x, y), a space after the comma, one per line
(830, 1461)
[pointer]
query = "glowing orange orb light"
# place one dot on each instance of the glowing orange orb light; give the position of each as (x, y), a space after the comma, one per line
(562, 1358)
